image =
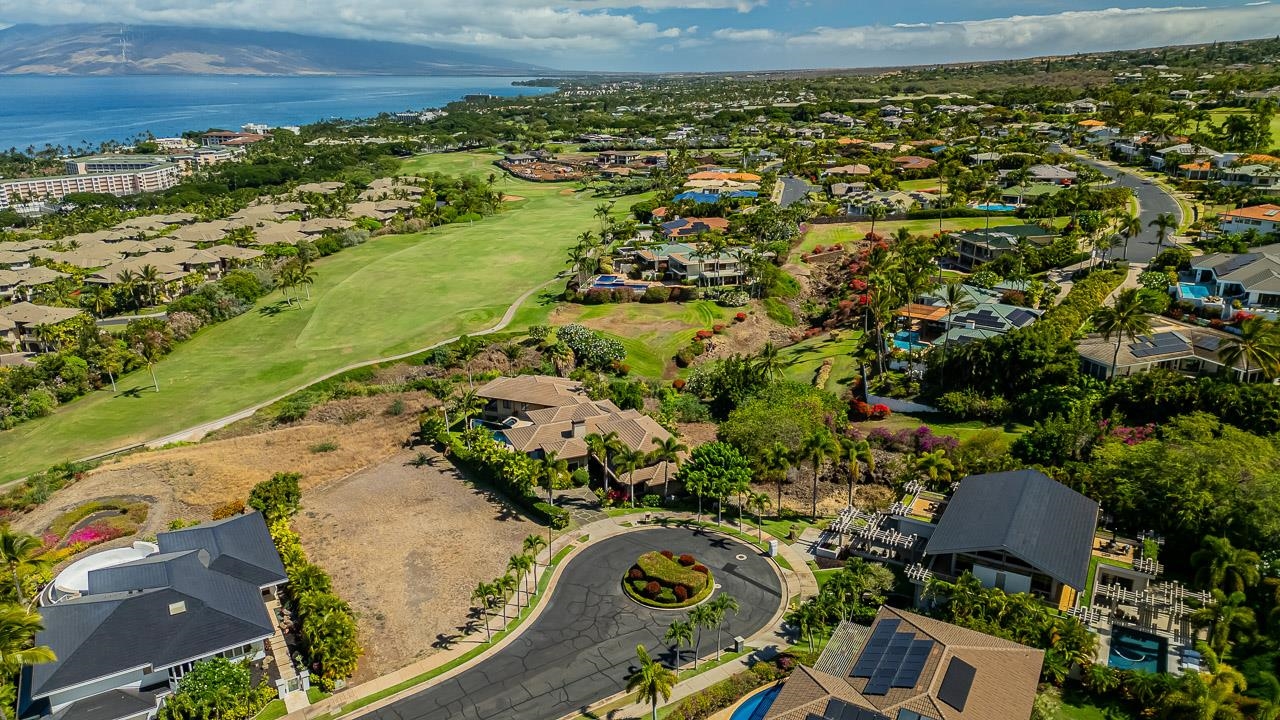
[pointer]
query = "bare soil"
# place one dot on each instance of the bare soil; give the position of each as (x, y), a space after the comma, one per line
(405, 546)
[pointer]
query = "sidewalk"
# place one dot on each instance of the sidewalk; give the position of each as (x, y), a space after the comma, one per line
(695, 684)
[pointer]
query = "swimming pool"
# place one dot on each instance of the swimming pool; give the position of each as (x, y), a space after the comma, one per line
(908, 340)
(757, 705)
(1193, 291)
(996, 207)
(1137, 650)
(616, 282)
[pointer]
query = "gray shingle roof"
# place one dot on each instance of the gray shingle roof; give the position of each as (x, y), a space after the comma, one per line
(1026, 513)
(239, 546)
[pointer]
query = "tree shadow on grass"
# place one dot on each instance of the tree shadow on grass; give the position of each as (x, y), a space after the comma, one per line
(134, 392)
(274, 308)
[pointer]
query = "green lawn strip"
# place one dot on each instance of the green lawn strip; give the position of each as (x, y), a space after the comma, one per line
(962, 429)
(1076, 705)
(646, 331)
(781, 528)
(470, 654)
(712, 664)
(272, 710)
(778, 311)
(430, 286)
(1087, 596)
(807, 356)
(751, 539)
(824, 576)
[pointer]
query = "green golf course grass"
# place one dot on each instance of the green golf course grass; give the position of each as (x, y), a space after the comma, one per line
(806, 357)
(653, 334)
(392, 295)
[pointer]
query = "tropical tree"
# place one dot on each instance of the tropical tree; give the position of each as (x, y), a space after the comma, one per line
(776, 462)
(723, 604)
(936, 466)
(483, 595)
(769, 362)
(149, 277)
(509, 586)
(856, 453)
(602, 446)
(1129, 225)
(759, 502)
(1220, 566)
(875, 212)
(628, 461)
(679, 633)
(819, 446)
(534, 544)
(1226, 616)
(666, 450)
(18, 628)
(703, 617)
(97, 300)
(651, 680)
(713, 470)
(1126, 318)
(520, 565)
(1164, 223)
(18, 553)
(804, 617)
(1257, 345)
(467, 404)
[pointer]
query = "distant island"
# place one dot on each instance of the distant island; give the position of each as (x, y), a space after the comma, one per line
(112, 49)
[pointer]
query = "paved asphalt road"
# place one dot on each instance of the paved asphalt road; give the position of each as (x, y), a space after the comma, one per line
(1153, 199)
(582, 647)
(793, 190)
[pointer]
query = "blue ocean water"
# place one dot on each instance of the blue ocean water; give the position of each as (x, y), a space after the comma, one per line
(35, 110)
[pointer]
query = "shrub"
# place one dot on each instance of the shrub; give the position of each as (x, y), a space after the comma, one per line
(184, 325)
(278, 497)
(652, 589)
(665, 595)
(636, 573)
(678, 384)
(396, 409)
(667, 554)
(230, 509)
(704, 334)
(324, 447)
(656, 294)
(717, 329)
(681, 593)
(557, 518)
(740, 317)
(580, 477)
(686, 560)
(699, 567)
(652, 500)
(539, 332)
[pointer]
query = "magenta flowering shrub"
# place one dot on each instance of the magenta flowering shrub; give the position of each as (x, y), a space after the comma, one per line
(1129, 435)
(94, 534)
(920, 440)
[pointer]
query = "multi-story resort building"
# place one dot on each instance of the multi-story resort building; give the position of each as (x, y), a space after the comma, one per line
(106, 174)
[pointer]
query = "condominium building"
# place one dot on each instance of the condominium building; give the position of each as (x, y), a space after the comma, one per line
(152, 177)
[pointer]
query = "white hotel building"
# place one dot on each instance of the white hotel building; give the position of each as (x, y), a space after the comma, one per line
(107, 174)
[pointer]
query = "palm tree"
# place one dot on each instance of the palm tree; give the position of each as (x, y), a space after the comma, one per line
(1224, 615)
(1257, 345)
(127, 283)
(1020, 177)
(520, 565)
(601, 446)
(817, 448)
(149, 276)
(956, 300)
(1164, 224)
(652, 680)
(1126, 318)
(769, 363)
(668, 451)
(534, 544)
(776, 461)
(1129, 225)
(679, 633)
(97, 299)
(759, 502)
(629, 461)
(1221, 566)
(723, 605)
(988, 196)
(466, 405)
(18, 628)
(936, 466)
(702, 617)
(876, 212)
(804, 617)
(305, 275)
(18, 552)
(509, 586)
(856, 453)
(484, 594)
(441, 390)
(577, 261)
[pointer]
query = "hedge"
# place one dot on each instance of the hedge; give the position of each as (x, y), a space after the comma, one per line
(515, 473)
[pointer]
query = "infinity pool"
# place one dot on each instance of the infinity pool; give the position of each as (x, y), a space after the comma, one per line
(996, 207)
(1193, 291)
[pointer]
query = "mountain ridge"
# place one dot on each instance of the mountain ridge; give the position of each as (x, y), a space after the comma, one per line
(110, 49)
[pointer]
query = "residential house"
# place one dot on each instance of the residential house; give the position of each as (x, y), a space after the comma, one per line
(1185, 151)
(986, 318)
(975, 247)
(222, 138)
(853, 169)
(1263, 218)
(1020, 531)
(23, 284)
(895, 201)
(28, 319)
(1078, 107)
(722, 268)
(127, 632)
(913, 163)
(691, 227)
(540, 414)
(1252, 277)
(911, 667)
(1042, 173)
(1170, 345)
(1265, 177)
(617, 157)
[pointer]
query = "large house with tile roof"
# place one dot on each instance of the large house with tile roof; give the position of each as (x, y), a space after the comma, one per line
(1263, 218)
(910, 667)
(540, 414)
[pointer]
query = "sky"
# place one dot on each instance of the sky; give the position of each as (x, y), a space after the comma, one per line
(707, 35)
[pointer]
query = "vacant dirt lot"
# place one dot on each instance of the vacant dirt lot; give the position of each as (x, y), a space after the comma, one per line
(405, 546)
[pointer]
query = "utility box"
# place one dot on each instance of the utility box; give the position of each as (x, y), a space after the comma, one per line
(773, 548)
(739, 642)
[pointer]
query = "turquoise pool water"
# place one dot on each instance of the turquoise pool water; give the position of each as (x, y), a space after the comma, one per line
(757, 705)
(996, 207)
(1137, 650)
(1193, 291)
(908, 340)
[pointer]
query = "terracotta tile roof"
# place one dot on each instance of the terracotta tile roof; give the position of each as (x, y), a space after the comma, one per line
(713, 175)
(1091, 123)
(1256, 212)
(913, 162)
(851, 141)
(1196, 166)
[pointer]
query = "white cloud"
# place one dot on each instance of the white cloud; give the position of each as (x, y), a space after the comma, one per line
(752, 35)
(1071, 31)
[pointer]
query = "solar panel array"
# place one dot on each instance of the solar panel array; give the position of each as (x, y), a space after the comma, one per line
(891, 659)
(841, 710)
(1021, 318)
(1164, 343)
(956, 683)
(905, 714)
(982, 318)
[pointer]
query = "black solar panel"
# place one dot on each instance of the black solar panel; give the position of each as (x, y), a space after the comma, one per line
(1208, 342)
(956, 684)
(891, 659)
(913, 664)
(1021, 317)
(841, 710)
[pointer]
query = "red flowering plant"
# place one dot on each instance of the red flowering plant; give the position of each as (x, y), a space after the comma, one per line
(858, 284)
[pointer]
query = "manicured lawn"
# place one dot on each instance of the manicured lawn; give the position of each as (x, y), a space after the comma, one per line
(391, 295)
(921, 184)
(651, 334)
(846, 233)
(1078, 706)
(962, 429)
(824, 576)
(806, 358)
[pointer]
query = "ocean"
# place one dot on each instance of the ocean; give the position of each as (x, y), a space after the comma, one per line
(39, 110)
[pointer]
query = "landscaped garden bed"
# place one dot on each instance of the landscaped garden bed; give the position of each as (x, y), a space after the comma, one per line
(666, 580)
(92, 523)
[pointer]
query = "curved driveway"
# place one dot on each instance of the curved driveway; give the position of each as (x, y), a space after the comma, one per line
(581, 648)
(1153, 199)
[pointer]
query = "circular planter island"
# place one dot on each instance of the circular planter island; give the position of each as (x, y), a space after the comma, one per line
(668, 581)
